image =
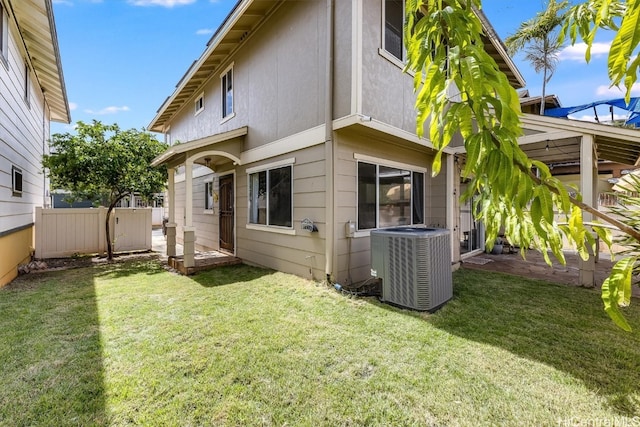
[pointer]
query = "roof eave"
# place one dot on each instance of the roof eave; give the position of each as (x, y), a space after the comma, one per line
(44, 54)
(213, 43)
(501, 48)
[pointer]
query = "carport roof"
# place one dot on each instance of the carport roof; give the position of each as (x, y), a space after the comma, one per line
(563, 138)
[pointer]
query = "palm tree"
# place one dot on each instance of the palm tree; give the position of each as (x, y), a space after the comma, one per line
(541, 43)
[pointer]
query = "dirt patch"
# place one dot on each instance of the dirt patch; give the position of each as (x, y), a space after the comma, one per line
(53, 264)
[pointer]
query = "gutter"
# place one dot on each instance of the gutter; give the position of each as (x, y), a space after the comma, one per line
(329, 148)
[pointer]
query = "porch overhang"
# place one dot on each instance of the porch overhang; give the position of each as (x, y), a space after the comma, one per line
(208, 151)
(554, 141)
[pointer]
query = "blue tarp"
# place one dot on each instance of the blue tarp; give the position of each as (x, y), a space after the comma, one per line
(633, 108)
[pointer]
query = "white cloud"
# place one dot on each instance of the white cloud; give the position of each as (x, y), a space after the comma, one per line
(72, 106)
(108, 110)
(65, 2)
(577, 51)
(616, 92)
(163, 3)
(204, 31)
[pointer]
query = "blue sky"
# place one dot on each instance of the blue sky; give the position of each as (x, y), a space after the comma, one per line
(122, 58)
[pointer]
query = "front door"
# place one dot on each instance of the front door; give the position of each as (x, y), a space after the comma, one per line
(226, 213)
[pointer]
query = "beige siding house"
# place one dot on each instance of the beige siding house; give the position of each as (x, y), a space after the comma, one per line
(299, 113)
(293, 136)
(32, 94)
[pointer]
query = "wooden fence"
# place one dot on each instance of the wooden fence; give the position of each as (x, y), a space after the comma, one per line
(62, 233)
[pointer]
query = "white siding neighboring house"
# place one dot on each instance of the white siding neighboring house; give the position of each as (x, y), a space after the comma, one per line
(32, 94)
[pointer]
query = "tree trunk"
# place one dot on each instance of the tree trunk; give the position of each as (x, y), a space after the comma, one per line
(108, 232)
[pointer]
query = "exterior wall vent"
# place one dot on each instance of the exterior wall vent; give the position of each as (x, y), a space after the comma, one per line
(414, 265)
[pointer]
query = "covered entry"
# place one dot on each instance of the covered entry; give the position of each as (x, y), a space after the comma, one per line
(220, 152)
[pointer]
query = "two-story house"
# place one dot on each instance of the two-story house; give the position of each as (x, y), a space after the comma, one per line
(298, 117)
(32, 94)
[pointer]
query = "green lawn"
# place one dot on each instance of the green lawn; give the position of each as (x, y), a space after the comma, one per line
(134, 344)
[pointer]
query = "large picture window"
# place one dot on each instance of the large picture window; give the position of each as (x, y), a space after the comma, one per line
(270, 197)
(389, 196)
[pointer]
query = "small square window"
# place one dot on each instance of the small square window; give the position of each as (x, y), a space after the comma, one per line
(16, 181)
(199, 104)
(227, 93)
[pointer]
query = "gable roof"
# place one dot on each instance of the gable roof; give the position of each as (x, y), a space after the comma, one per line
(38, 31)
(245, 17)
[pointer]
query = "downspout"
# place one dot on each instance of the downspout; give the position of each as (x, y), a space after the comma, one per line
(328, 147)
(44, 149)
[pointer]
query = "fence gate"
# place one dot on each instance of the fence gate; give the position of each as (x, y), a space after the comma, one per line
(131, 229)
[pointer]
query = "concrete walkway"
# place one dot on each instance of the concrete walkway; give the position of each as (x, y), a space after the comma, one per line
(159, 243)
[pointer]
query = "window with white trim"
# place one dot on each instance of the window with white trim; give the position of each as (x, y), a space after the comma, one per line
(199, 104)
(27, 83)
(208, 196)
(389, 196)
(227, 92)
(3, 34)
(16, 181)
(393, 28)
(271, 197)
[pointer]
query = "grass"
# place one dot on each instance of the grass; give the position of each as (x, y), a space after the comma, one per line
(134, 344)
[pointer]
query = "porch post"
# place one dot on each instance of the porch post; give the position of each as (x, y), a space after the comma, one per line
(171, 225)
(451, 202)
(588, 187)
(189, 229)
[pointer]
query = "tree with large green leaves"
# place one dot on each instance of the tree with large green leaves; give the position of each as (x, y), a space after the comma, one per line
(102, 162)
(539, 39)
(461, 90)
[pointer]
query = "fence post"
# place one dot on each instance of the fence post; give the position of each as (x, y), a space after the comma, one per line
(38, 245)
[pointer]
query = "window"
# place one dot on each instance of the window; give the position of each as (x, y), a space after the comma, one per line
(393, 24)
(227, 93)
(199, 104)
(270, 197)
(3, 34)
(16, 181)
(389, 196)
(27, 83)
(208, 196)
(393, 31)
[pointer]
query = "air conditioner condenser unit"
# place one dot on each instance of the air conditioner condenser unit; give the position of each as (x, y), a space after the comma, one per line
(414, 265)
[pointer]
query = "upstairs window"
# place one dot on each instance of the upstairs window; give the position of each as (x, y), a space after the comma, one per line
(199, 104)
(227, 92)
(3, 34)
(393, 25)
(27, 84)
(16, 181)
